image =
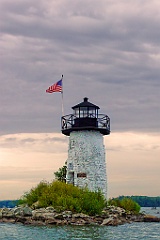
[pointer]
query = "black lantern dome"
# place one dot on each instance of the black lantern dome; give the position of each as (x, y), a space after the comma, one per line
(85, 117)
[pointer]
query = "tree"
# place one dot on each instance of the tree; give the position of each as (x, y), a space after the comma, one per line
(60, 175)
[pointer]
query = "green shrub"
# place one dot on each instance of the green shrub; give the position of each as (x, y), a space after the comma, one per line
(130, 205)
(127, 203)
(65, 197)
(34, 194)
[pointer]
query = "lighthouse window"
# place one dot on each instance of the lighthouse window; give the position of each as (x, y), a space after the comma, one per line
(72, 143)
(92, 112)
(82, 175)
(83, 112)
(76, 112)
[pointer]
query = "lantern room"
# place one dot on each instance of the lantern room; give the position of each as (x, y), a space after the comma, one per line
(85, 109)
(86, 114)
(85, 117)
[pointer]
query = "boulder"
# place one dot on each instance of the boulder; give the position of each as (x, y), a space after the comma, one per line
(27, 211)
(35, 205)
(111, 216)
(150, 218)
(67, 214)
(59, 216)
(22, 211)
(1, 214)
(80, 215)
(106, 221)
(7, 213)
(49, 216)
(38, 215)
(50, 209)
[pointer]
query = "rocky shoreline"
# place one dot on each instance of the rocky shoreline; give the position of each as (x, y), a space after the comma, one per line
(111, 216)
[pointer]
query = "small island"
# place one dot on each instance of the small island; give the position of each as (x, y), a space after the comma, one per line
(58, 203)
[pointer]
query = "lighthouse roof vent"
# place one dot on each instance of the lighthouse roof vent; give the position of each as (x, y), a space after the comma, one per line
(85, 103)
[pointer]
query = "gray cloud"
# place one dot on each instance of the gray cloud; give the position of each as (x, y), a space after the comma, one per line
(34, 143)
(106, 51)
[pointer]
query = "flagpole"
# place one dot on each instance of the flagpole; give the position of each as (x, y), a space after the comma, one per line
(62, 98)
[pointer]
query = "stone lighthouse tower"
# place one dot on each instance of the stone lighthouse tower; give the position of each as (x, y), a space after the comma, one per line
(86, 164)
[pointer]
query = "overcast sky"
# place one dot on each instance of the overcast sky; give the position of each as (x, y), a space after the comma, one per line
(108, 51)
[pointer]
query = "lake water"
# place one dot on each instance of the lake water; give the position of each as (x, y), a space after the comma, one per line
(128, 231)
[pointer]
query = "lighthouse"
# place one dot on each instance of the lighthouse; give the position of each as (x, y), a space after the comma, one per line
(86, 163)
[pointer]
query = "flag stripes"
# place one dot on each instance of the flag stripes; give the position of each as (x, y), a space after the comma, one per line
(57, 87)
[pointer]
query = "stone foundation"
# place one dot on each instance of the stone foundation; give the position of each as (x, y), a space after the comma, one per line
(111, 216)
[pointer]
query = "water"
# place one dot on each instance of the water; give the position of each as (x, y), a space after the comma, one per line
(152, 211)
(132, 231)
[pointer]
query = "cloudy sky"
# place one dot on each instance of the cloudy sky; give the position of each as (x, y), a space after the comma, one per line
(108, 51)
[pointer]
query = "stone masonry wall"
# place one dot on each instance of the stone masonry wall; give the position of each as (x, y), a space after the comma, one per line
(86, 165)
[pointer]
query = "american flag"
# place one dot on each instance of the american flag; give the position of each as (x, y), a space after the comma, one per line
(57, 87)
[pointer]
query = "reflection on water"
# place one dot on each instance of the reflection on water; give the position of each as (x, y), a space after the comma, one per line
(124, 232)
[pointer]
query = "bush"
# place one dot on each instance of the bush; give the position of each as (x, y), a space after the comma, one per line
(65, 197)
(34, 194)
(127, 203)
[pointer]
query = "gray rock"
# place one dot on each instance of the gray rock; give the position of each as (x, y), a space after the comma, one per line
(22, 211)
(80, 215)
(1, 214)
(67, 214)
(49, 216)
(111, 216)
(38, 216)
(59, 216)
(7, 213)
(50, 209)
(106, 221)
(150, 218)
(27, 211)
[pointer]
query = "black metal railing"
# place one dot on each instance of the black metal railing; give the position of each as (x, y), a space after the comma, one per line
(69, 121)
